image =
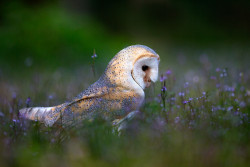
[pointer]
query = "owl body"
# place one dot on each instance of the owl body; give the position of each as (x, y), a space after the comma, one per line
(118, 91)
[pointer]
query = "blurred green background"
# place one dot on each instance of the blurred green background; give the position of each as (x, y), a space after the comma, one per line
(47, 35)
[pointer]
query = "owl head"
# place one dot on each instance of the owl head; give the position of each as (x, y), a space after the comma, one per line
(134, 66)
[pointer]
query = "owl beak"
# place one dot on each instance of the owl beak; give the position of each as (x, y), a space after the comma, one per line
(148, 82)
(147, 79)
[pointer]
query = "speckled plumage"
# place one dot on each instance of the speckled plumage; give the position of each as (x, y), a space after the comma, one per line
(118, 91)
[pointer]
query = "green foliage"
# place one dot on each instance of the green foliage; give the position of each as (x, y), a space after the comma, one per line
(50, 37)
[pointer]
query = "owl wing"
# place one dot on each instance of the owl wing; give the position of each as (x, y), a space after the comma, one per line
(91, 94)
(91, 102)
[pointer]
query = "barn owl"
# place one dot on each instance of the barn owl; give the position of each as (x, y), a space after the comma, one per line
(118, 92)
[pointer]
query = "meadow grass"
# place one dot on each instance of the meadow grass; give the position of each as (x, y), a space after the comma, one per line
(189, 118)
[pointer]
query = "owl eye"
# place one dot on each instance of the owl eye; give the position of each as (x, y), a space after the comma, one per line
(144, 68)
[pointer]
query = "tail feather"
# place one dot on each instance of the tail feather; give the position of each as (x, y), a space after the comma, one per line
(47, 115)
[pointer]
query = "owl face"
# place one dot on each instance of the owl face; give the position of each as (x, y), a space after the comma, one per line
(145, 70)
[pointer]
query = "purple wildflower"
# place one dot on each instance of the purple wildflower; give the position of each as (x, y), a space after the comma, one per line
(229, 89)
(50, 97)
(164, 89)
(28, 101)
(93, 62)
(13, 95)
(186, 85)
(213, 77)
(172, 98)
(94, 56)
(176, 120)
(181, 94)
(242, 104)
(217, 69)
(169, 72)
(163, 78)
(229, 108)
(242, 88)
(185, 102)
(218, 85)
(1, 114)
(52, 140)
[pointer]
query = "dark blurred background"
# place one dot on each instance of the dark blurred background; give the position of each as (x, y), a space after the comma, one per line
(50, 34)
